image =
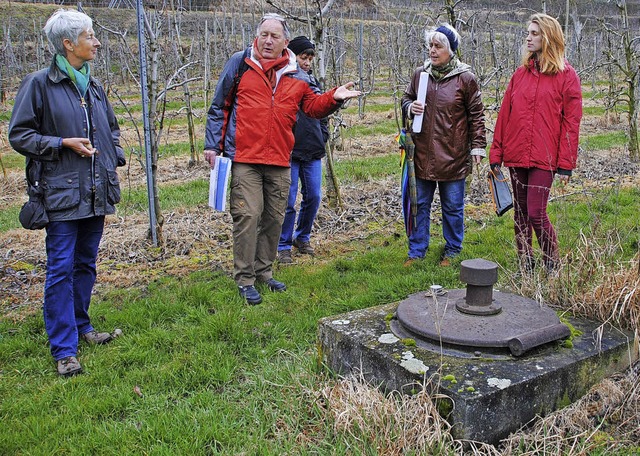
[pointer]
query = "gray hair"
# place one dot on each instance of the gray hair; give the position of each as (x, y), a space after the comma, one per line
(66, 24)
(440, 38)
(275, 17)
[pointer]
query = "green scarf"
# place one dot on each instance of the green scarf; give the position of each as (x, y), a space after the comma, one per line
(79, 77)
(439, 72)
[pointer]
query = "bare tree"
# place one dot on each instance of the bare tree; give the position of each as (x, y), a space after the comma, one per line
(628, 65)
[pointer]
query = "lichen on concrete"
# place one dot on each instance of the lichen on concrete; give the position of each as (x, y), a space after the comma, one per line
(412, 364)
(500, 383)
(387, 338)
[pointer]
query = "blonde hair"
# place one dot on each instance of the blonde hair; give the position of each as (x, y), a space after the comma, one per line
(551, 56)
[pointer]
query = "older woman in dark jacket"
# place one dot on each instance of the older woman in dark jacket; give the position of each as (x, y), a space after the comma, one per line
(452, 135)
(64, 125)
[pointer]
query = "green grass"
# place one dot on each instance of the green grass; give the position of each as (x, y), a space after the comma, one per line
(216, 376)
(9, 217)
(13, 160)
(368, 168)
(188, 194)
(385, 127)
(604, 141)
(219, 377)
(370, 107)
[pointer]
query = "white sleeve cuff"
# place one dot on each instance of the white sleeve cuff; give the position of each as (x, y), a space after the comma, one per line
(478, 151)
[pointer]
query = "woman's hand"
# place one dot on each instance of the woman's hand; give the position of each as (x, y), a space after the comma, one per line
(416, 108)
(81, 146)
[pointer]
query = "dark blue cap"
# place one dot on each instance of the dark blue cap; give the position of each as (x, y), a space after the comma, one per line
(453, 41)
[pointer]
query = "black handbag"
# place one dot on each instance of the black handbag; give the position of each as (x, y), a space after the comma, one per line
(500, 191)
(33, 215)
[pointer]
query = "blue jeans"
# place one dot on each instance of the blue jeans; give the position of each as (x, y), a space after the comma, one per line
(72, 248)
(309, 173)
(452, 202)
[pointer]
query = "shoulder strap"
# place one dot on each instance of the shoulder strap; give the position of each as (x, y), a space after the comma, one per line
(231, 96)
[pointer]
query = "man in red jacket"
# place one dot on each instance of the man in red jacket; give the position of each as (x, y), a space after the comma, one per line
(256, 130)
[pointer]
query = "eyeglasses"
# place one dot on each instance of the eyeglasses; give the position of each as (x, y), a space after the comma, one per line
(276, 17)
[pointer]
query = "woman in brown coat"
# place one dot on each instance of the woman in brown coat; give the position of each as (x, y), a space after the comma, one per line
(452, 135)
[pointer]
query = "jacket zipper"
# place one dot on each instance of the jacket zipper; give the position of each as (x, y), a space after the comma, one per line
(83, 105)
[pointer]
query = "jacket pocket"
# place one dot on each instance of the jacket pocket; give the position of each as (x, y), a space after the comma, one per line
(61, 192)
(113, 191)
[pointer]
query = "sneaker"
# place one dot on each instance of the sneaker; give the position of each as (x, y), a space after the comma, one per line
(284, 257)
(275, 285)
(250, 294)
(69, 366)
(304, 247)
(96, 338)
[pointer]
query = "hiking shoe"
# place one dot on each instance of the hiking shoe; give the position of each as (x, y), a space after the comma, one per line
(250, 294)
(409, 261)
(446, 260)
(69, 366)
(95, 338)
(275, 285)
(304, 247)
(284, 257)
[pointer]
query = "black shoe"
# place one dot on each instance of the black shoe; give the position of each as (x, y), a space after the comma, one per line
(250, 294)
(275, 285)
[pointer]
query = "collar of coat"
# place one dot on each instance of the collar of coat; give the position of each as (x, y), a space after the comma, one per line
(56, 75)
(460, 68)
(292, 65)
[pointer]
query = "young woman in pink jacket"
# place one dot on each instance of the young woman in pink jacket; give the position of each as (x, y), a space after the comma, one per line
(536, 135)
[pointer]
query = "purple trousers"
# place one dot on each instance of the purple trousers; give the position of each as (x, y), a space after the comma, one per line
(531, 187)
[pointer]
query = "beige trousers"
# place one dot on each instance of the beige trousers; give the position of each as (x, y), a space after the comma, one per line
(257, 204)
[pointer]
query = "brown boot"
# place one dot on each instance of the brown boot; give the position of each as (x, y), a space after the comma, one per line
(69, 366)
(304, 247)
(284, 257)
(94, 337)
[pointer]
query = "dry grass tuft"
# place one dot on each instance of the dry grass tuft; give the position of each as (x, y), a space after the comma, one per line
(619, 297)
(606, 419)
(394, 424)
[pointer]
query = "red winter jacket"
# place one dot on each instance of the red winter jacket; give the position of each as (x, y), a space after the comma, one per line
(260, 129)
(539, 121)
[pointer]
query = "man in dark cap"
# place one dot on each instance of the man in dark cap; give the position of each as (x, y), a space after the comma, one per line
(306, 166)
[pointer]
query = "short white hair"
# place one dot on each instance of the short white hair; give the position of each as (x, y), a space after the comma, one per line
(275, 17)
(66, 24)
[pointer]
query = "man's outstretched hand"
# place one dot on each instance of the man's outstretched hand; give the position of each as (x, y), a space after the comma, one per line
(345, 92)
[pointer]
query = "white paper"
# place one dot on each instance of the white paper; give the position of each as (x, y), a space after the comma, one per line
(422, 97)
(219, 182)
